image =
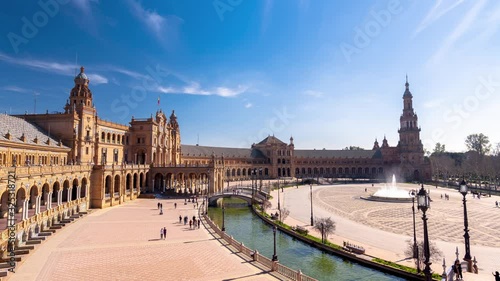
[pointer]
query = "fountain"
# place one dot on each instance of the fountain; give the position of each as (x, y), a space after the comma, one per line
(390, 193)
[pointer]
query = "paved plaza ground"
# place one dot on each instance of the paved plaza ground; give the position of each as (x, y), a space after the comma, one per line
(384, 228)
(123, 243)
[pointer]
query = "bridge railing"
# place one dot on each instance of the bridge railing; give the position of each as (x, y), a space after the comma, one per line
(265, 261)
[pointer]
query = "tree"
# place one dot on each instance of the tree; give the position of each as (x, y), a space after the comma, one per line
(353, 148)
(478, 143)
(284, 212)
(435, 254)
(325, 226)
(266, 204)
(439, 148)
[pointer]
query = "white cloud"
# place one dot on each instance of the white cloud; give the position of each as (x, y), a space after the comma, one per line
(97, 79)
(459, 31)
(56, 67)
(16, 89)
(315, 94)
(437, 11)
(156, 23)
(67, 69)
(248, 105)
(195, 89)
(84, 5)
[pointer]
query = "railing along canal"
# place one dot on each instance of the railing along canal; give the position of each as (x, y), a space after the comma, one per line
(272, 265)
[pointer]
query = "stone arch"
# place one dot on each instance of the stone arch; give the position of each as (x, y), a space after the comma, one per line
(135, 183)
(32, 197)
(45, 195)
(20, 197)
(158, 182)
(65, 191)
(56, 188)
(4, 205)
(233, 172)
(141, 180)
(341, 170)
(74, 190)
(107, 185)
(83, 189)
(128, 182)
(116, 186)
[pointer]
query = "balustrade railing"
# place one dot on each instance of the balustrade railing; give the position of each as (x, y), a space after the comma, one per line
(273, 266)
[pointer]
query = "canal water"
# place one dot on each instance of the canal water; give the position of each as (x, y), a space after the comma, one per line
(248, 228)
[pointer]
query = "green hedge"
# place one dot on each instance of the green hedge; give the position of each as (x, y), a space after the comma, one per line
(435, 276)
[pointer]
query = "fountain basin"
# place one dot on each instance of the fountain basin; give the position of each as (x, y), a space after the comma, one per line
(387, 199)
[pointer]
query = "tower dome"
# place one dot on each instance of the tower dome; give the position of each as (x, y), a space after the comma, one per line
(81, 78)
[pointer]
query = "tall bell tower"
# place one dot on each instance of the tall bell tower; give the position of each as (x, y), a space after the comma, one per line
(80, 104)
(410, 146)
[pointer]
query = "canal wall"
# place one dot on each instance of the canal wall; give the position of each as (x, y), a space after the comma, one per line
(362, 259)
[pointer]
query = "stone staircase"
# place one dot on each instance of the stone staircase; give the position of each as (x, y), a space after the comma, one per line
(22, 251)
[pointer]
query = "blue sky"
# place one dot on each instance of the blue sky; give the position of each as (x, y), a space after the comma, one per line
(330, 73)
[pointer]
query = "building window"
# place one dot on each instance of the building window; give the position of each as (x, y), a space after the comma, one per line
(87, 150)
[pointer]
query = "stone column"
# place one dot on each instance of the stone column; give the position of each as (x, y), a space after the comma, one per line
(37, 204)
(68, 197)
(25, 209)
(48, 200)
(78, 189)
(59, 197)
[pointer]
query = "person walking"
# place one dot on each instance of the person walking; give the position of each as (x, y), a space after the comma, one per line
(459, 269)
(175, 205)
(190, 223)
(158, 205)
(185, 220)
(180, 219)
(199, 222)
(497, 276)
(165, 232)
(496, 204)
(161, 233)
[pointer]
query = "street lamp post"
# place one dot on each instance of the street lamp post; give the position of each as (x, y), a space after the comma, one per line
(464, 190)
(413, 193)
(424, 204)
(279, 195)
(275, 257)
(312, 218)
(223, 218)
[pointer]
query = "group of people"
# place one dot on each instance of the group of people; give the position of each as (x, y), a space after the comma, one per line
(457, 269)
(163, 233)
(160, 207)
(193, 223)
(446, 196)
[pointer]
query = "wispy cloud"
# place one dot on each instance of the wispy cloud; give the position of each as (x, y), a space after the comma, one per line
(195, 89)
(16, 89)
(439, 9)
(266, 14)
(315, 94)
(459, 31)
(97, 79)
(51, 67)
(248, 105)
(84, 5)
(157, 24)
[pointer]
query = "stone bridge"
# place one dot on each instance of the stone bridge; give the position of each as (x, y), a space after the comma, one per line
(241, 193)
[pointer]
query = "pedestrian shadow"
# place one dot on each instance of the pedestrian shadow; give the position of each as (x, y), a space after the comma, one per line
(158, 239)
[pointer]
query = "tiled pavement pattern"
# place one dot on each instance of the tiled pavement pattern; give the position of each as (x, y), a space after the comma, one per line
(123, 243)
(445, 216)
